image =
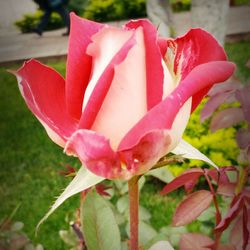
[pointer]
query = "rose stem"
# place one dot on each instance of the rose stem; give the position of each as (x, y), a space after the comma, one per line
(133, 191)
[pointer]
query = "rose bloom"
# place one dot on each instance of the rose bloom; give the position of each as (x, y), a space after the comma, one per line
(127, 96)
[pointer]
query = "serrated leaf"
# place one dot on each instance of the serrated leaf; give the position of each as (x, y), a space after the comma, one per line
(181, 180)
(191, 207)
(195, 241)
(227, 118)
(186, 150)
(98, 222)
(236, 234)
(83, 180)
(226, 189)
(234, 210)
(207, 215)
(213, 103)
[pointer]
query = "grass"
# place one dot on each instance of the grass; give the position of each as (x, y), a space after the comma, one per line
(30, 162)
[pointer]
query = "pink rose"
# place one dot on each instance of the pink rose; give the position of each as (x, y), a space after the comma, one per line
(127, 96)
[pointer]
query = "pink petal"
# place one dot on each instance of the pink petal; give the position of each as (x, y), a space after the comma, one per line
(95, 153)
(194, 48)
(104, 69)
(226, 118)
(163, 45)
(163, 115)
(154, 70)
(147, 152)
(126, 95)
(44, 92)
(78, 62)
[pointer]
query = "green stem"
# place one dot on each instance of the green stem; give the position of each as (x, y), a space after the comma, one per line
(133, 192)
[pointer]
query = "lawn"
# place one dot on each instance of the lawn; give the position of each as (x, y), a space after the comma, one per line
(30, 163)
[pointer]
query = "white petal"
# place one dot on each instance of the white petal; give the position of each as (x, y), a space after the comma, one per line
(126, 102)
(106, 43)
(188, 151)
(82, 181)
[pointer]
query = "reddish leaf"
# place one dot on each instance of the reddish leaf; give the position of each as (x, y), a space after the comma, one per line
(234, 210)
(195, 241)
(101, 189)
(245, 227)
(190, 185)
(227, 118)
(229, 85)
(213, 103)
(243, 138)
(243, 96)
(191, 207)
(189, 175)
(236, 234)
(221, 176)
(226, 247)
(227, 189)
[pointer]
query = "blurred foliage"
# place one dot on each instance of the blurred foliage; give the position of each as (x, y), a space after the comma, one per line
(30, 21)
(97, 10)
(109, 10)
(185, 5)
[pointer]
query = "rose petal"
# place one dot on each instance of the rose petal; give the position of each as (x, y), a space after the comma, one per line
(95, 153)
(104, 66)
(126, 96)
(154, 71)
(196, 47)
(147, 152)
(162, 115)
(43, 90)
(78, 62)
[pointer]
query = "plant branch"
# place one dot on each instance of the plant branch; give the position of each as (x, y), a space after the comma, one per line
(218, 214)
(168, 160)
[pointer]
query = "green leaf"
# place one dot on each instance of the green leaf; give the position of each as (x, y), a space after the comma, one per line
(99, 226)
(162, 245)
(162, 174)
(83, 180)
(146, 232)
